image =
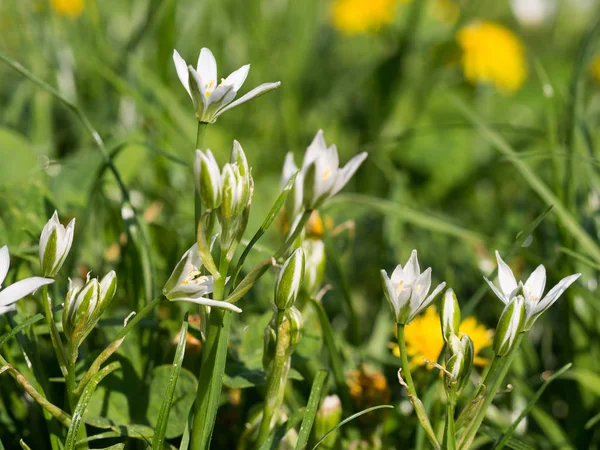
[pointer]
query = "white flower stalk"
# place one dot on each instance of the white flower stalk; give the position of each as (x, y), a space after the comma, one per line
(532, 291)
(187, 284)
(210, 98)
(16, 291)
(407, 290)
(208, 179)
(321, 176)
(55, 244)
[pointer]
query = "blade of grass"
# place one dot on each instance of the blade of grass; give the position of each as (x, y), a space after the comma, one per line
(281, 198)
(521, 238)
(86, 396)
(349, 419)
(20, 327)
(279, 432)
(314, 400)
(593, 421)
(165, 408)
(563, 214)
(508, 434)
(408, 214)
(579, 257)
(335, 359)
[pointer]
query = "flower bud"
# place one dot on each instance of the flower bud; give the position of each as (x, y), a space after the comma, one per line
(233, 192)
(208, 179)
(450, 315)
(509, 326)
(55, 244)
(270, 343)
(239, 157)
(289, 281)
(459, 363)
(296, 324)
(328, 417)
(84, 306)
(314, 252)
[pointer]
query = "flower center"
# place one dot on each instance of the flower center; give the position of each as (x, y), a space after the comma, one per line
(326, 173)
(400, 285)
(194, 277)
(209, 87)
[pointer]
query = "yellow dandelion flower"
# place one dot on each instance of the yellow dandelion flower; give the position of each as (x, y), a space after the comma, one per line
(424, 338)
(596, 68)
(362, 16)
(68, 8)
(492, 54)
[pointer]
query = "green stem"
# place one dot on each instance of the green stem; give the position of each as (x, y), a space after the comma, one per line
(405, 369)
(276, 380)
(294, 234)
(200, 135)
(504, 362)
(214, 355)
(450, 435)
(54, 336)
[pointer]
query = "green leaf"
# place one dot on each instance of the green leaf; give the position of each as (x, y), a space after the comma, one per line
(335, 358)
(349, 419)
(165, 408)
(19, 162)
(252, 378)
(279, 432)
(314, 400)
(82, 404)
(20, 327)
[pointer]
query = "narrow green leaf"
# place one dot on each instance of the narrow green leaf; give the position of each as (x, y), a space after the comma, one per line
(249, 280)
(335, 359)
(593, 421)
(23, 445)
(579, 257)
(349, 419)
(20, 327)
(314, 400)
(508, 434)
(281, 198)
(163, 416)
(279, 432)
(85, 398)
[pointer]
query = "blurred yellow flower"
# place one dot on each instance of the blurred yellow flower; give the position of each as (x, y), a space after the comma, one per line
(424, 338)
(596, 68)
(363, 16)
(68, 8)
(492, 54)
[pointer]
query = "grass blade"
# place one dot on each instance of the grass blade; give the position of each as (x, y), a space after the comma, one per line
(279, 432)
(349, 419)
(508, 434)
(20, 327)
(335, 359)
(314, 400)
(165, 408)
(82, 404)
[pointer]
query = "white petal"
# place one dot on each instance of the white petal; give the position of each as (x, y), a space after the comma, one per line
(182, 71)
(207, 66)
(316, 148)
(20, 289)
(423, 283)
(289, 169)
(199, 87)
(217, 97)
(430, 299)
(347, 171)
(238, 77)
(5, 309)
(333, 160)
(411, 269)
(4, 263)
(555, 293)
(499, 294)
(256, 92)
(209, 302)
(534, 286)
(507, 280)
(397, 274)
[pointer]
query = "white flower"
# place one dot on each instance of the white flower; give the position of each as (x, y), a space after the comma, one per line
(321, 176)
(187, 284)
(408, 288)
(18, 290)
(532, 290)
(55, 244)
(211, 99)
(533, 12)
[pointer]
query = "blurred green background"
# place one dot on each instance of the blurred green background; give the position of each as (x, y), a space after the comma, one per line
(437, 178)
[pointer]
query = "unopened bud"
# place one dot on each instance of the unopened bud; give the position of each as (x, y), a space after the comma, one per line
(328, 417)
(450, 315)
(232, 192)
(208, 179)
(296, 324)
(509, 326)
(459, 363)
(290, 279)
(239, 157)
(55, 244)
(314, 251)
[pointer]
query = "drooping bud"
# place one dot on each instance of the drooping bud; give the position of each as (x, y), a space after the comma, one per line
(314, 251)
(450, 315)
(509, 326)
(84, 306)
(55, 244)
(328, 417)
(208, 179)
(290, 279)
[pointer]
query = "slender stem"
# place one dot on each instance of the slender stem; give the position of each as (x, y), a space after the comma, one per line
(54, 336)
(504, 362)
(450, 434)
(276, 379)
(405, 368)
(294, 234)
(200, 135)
